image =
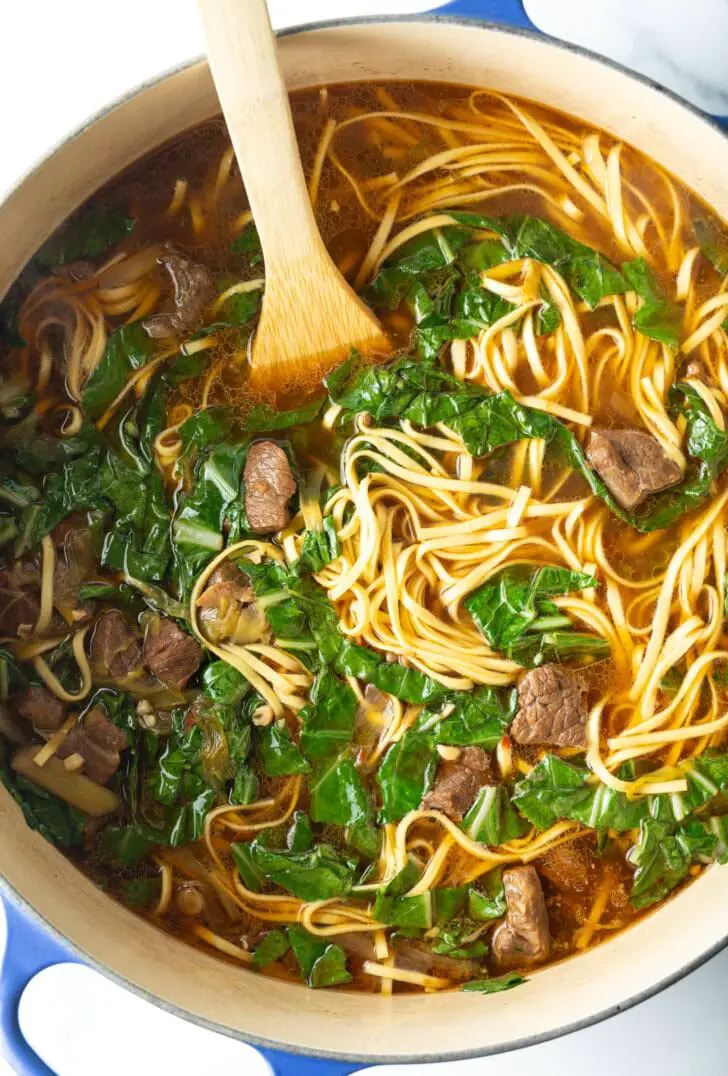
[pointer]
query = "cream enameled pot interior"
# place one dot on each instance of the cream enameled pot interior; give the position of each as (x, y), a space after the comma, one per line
(257, 1008)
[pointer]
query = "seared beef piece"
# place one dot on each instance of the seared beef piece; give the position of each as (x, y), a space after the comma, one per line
(192, 294)
(99, 742)
(74, 563)
(551, 708)
(19, 608)
(78, 270)
(114, 647)
(523, 938)
(631, 463)
(65, 595)
(697, 370)
(20, 599)
(40, 707)
(570, 866)
(458, 783)
(171, 654)
(227, 584)
(228, 610)
(269, 485)
(62, 531)
(410, 956)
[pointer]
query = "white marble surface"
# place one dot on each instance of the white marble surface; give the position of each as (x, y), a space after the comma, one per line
(59, 65)
(679, 43)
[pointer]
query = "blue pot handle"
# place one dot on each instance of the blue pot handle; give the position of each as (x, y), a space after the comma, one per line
(506, 11)
(28, 949)
(512, 13)
(296, 1065)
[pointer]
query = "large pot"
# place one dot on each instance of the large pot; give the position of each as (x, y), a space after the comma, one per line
(369, 1028)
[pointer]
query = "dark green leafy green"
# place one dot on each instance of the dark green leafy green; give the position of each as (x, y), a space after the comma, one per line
(514, 614)
(53, 818)
(245, 786)
(224, 684)
(319, 547)
(712, 239)
(263, 418)
(453, 940)
(663, 856)
(658, 316)
(425, 395)
(204, 428)
(492, 818)
(90, 232)
(141, 892)
(124, 846)
(244, 858)
(490, 903)
(493, 986)
(406, 774)
(316, 874)
(300, 833)
(478, 717)
(413, 912)
(138, 541)
(12, 677)
(248, 243)
(197, 529)
(328, 720)
(337, 793)
(274, 945)
(555, 789)
(329, 969)
(278, 753)
(179, 781)
(307, 948)
(129, 348)
(587, 272)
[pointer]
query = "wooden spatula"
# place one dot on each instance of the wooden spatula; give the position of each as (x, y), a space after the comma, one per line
(310, 318)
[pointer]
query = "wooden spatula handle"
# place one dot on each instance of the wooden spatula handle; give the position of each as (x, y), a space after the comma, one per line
(254, 100)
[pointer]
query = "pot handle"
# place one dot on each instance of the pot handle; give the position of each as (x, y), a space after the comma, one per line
(512, 13)
(507, 11)
(297, 1065)
(29, 948)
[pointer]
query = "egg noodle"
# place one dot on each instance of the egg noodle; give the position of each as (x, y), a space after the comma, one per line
(424, 523)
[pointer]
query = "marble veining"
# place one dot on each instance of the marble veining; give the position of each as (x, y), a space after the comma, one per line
(680, 45)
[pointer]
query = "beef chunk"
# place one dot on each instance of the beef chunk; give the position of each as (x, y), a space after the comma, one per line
(19, 609)
(171, 654)
(19, 598)
(114, 647)
(457, 783)
(698, 371)
(416, 956)
(192, 294)
(632, 464)
(227, 584)
(523, 938)
(570, 866)
(99, 742)
(551, 708)
(39, 706)
(269, 485)
(228, 611)
(77, 270)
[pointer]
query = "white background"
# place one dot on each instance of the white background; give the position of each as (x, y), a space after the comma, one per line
(61, 61)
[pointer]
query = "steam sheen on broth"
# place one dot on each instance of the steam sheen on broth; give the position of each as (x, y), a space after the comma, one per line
(419, 683)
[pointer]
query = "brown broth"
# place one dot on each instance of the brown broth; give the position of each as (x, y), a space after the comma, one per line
(574, 875)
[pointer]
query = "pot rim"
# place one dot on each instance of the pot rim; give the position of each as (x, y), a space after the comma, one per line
(251, 1039)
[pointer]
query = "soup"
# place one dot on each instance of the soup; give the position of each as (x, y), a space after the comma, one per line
(418, 682)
